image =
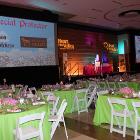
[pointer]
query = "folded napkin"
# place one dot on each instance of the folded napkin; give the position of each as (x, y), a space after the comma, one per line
(38, 103)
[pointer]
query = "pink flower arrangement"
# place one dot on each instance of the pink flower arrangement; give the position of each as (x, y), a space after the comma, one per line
(9, 101)
(127, 91)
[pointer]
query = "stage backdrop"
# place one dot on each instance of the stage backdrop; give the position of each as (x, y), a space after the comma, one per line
(27, 42)
(78, 49)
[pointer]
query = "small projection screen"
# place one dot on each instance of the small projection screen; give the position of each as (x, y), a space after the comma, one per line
(137, 48)
(26, 42)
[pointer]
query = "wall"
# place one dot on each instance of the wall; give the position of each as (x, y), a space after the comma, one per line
(32, 76)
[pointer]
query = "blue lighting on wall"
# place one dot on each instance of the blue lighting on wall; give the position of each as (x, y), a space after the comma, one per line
(121, 47)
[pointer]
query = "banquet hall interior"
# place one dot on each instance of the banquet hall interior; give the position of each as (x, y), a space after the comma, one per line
(75, 65)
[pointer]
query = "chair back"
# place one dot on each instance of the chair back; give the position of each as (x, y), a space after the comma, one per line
(51, 98)
(47, 93)
(92, 96)
(19, 91)
(111, 85)
(13, 88)
(24, 90)
(33, 90)
(113, 101)
(62, 108)
(81, 93)
(54, 109)
(28, 118)
(136, 106)
(83, 90)
(59, 115)
(32, 117)
(122, 84)
(102, 85)
(25, 87)
(90, 88)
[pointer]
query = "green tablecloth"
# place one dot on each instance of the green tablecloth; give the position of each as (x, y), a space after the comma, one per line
(103, 111)
(69, 96)
(134, 85)
(8, 122)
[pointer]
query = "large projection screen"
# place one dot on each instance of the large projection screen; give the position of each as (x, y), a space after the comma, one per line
(137, 48)
(27, 42)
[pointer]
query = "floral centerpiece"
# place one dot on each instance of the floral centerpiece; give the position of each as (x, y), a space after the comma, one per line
(9, 101)
(8, 104)
(127, 92)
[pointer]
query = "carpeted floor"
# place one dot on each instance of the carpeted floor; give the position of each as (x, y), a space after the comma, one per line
(128, 130)
(81, 127)
(73, 135)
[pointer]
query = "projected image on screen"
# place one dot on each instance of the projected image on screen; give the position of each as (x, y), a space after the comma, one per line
(137, 48)
(26, 42)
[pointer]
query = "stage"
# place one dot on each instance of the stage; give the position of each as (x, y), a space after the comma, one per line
(91, 69)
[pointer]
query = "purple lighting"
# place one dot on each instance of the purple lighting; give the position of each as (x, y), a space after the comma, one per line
(90, 40)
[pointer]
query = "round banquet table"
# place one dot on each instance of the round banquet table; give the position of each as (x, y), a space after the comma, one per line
(8, 122)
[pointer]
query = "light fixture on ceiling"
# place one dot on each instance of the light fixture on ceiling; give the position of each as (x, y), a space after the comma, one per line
(129, 13)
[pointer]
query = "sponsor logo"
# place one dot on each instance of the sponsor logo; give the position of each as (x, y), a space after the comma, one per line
(33, 42)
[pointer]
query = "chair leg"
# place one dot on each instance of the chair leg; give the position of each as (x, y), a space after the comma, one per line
(86, 105)
(111, 126)
(135, 137)
(124, 127)
(118, 122)
(41, 136)
(65, 128)
(73, 105)
(77, 103)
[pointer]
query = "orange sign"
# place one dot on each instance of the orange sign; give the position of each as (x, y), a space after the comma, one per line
(65, 45)
(109, 47)
(33, 42)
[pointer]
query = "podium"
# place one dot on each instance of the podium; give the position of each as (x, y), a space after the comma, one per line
(97, 67)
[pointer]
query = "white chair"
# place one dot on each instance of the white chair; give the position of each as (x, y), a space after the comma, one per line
(53, 100)
(55, 108)
(102, 85)
(13, 88)
(80, 98)
(45, 94)
(84, 98)
(25, 87)
(19, 91)
(59, 117)
(24, 91)
(102, 92)
(22, 133)
(136, 106)
(122, 84)
(119, 114)
(91, 95)
(33, 90)
(111, 85)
